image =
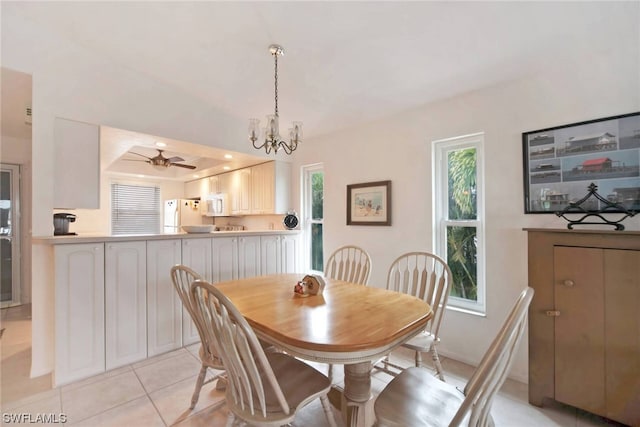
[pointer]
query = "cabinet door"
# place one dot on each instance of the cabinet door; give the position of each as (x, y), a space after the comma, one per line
(164, 308)
(289, 250)
(196, 254)
(248, 256)
(192, 189)
(622, 320)
(241, 192)
(225, 259)
(262, 188)
(79, 314)
(270, 255)
(580, 329)
(76, 184)
(125, 303)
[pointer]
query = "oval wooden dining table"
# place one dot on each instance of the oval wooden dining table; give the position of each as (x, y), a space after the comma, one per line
(347, 324)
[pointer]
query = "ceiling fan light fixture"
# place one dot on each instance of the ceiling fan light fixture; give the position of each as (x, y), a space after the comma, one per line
(271, 140)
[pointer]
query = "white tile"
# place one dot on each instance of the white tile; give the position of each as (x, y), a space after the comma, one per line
(172, 402)
(160, 357)
(96, 378)
(49, 406)
(168, 371)
(138, 412)
(83, 402)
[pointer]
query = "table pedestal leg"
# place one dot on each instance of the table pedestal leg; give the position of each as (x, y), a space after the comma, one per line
(357, 401)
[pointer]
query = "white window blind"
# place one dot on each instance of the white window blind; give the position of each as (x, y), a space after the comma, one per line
(135, 209)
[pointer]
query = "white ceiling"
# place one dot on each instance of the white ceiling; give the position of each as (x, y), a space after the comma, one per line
(345, 62)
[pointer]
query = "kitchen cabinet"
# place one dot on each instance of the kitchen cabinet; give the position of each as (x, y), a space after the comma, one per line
(125, 303)
(79, 314)
(225, 258)
(248, 256)
(270, 188)
(76, 165)
(240, 192)
(236, 257)
(220, 183)
(279, 254)
(584, 321)
(197, 255)
(164, 307)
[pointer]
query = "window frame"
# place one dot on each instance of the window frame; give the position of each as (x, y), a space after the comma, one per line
(440, 150)
(307, 220)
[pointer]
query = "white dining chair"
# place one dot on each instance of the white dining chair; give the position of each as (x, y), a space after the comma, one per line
(182, 277)
(349, 263)
(266, 389)
(428, 277)
(415, 398)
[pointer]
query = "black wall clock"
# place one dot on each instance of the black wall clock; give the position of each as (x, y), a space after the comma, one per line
(290, 220)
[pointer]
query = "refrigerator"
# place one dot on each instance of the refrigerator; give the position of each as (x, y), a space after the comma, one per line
(179, 212)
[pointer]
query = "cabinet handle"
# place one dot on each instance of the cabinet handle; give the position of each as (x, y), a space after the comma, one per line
(568, 283)
(552, 313)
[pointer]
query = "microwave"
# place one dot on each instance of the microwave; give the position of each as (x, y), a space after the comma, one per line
(215, 205)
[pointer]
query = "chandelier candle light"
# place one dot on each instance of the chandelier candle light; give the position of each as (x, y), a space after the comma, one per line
(272, 139)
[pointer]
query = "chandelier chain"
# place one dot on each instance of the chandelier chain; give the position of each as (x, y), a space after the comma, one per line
(275, 55)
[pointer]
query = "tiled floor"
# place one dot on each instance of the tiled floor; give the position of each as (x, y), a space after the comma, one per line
(157, 391)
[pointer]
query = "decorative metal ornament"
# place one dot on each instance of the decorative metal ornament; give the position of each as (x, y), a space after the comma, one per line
(272, 140)
(609, 207)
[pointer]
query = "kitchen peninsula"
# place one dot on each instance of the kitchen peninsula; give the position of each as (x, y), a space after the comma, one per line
(107, 301)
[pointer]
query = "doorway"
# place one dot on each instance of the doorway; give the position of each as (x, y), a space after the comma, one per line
(10, 280)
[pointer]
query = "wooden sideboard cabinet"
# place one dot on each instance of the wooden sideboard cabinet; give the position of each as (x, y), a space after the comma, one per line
(584, 321)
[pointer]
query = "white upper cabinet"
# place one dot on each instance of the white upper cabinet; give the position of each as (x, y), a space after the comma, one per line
(270, 188)
(240, 192)
(76, 165)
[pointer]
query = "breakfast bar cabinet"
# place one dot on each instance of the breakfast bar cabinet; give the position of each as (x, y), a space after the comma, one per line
(125, 305)
(584, 321)
(164, 308)
(79, 314)
(196, 254)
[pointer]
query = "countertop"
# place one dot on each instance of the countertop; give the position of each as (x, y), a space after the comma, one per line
(95, 238)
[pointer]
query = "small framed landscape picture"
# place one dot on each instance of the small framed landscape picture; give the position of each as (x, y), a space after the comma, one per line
(369, 203)
(561, 162)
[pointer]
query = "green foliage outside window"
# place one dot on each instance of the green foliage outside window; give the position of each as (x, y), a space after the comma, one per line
(317, 194)
(461, 241)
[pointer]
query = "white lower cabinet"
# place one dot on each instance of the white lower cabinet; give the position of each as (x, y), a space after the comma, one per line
(248, 256)
(164, 308)
(197, 255)
(79, 314)
(289, 248)
(225, 259)
(125, 303)
(279, 254)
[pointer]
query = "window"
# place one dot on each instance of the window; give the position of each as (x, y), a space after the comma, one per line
(313, 194)
(458, 217)
(135, 209)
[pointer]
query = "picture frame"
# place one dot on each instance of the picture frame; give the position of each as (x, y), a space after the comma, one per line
(560, 163)
(369, 203)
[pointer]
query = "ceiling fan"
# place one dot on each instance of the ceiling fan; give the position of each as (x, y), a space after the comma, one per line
(162, 161)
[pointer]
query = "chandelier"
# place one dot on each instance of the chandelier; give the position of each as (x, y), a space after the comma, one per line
(272, 139)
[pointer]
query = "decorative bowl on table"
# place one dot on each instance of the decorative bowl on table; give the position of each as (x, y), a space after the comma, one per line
(198, 228)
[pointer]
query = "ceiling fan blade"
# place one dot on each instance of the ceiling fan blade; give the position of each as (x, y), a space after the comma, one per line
(141, 155)
(183, 166)
(136, 160)
(175, 159)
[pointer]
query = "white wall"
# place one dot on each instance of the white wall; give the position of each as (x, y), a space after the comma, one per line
(399, 149)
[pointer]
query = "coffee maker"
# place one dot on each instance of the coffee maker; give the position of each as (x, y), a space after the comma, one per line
(61, 224)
